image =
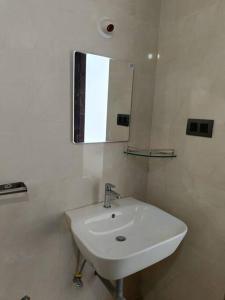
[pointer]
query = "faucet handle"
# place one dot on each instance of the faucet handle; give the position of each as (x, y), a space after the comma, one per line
(109, 186)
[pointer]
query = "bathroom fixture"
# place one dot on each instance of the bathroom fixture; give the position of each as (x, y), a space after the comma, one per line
(110, 195)
(77, 279)
(157, 153)
(115, 290)
(106, 27)
(199, 127)
(13, 188)
(150, 235)
(102, 94)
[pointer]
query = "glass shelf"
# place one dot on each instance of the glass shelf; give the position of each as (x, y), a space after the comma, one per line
(157, 153)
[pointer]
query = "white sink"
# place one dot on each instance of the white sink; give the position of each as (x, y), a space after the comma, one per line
(151, 235)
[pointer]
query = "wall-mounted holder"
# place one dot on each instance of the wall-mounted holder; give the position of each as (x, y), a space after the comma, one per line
(13, 188)
(154, 153)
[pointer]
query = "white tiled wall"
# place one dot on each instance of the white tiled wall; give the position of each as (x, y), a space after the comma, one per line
(190, 84)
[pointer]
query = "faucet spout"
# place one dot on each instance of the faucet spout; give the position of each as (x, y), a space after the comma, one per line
(115, 195)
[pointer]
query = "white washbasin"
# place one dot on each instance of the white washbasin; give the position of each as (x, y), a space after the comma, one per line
(151, 235)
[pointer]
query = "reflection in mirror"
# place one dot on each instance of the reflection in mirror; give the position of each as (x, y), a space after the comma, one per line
(102, 92)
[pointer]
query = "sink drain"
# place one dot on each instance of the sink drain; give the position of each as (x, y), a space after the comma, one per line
(120, 238)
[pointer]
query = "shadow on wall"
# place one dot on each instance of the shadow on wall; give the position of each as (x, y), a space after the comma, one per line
(8, 199)
(159, 272)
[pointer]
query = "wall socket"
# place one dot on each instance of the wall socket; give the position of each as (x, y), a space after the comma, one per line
(200, 127)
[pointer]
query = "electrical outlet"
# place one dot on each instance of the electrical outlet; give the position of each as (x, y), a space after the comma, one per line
(200, 127)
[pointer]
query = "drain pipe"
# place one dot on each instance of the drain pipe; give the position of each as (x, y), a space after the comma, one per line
(117, 291)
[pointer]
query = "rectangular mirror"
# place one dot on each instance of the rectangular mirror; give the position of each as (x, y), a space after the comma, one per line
(102, 92)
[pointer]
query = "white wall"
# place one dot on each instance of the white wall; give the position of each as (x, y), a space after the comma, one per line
(190, 84)
(36, 42)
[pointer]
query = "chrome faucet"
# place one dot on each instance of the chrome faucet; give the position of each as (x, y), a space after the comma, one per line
(110, 195)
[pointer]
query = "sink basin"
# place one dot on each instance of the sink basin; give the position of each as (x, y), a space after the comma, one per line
(126, 238)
